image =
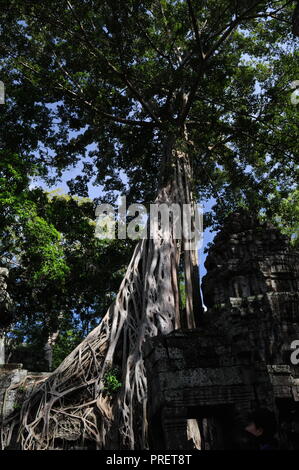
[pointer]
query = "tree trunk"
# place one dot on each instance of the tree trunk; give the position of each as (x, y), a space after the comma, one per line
(6, 311)
(50, 343)
(48, 349)
(2, 348)
(73, 404)
(295, 20)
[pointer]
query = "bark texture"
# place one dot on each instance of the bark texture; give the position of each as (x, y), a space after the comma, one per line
(73, 405)
(295, 20)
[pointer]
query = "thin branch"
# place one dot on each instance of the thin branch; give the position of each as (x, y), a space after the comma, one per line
(216, 195)
(223, 38)
(230, 29)
(191, 95)
(266, 15)
(111, 117)
(166, 57)
(121, 75)
(195, 29)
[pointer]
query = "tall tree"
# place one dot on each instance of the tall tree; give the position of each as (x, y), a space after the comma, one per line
(59, 275)
(196, 93)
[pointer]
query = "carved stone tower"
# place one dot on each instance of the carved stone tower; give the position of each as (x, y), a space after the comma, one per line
(203, 382)
(251, 288)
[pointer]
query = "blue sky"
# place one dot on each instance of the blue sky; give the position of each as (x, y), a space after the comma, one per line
(95, 192)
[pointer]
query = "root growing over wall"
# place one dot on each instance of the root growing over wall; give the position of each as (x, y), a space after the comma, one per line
(73, 406)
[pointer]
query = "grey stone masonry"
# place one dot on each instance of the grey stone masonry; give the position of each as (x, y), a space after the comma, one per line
(15, 385)
(239, 360)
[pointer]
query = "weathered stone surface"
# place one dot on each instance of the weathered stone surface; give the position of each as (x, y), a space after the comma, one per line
(240, 357)
(15, 385)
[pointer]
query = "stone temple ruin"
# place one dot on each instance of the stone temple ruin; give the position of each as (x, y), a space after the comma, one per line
(202, 382)
(13, 378)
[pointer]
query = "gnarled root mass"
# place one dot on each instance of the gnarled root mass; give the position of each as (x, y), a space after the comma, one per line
(72, 409)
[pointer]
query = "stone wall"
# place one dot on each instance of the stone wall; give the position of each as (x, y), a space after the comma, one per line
(239, 359)
(16, 384)
(202, 382)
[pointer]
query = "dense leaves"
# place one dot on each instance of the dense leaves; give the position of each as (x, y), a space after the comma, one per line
(112, 78)
(60, 279)
(103, 83)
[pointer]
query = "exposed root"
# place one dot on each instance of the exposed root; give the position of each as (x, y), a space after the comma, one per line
(72, 406)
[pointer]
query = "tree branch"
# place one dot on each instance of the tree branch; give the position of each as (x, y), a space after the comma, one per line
(195, 29)
(191, 95)
(111, 117)
(121, 75)
(295, 20)
(230, 29)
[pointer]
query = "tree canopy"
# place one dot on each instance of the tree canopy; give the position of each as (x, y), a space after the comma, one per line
(188, 100)
(59, 275)
(103, 82)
